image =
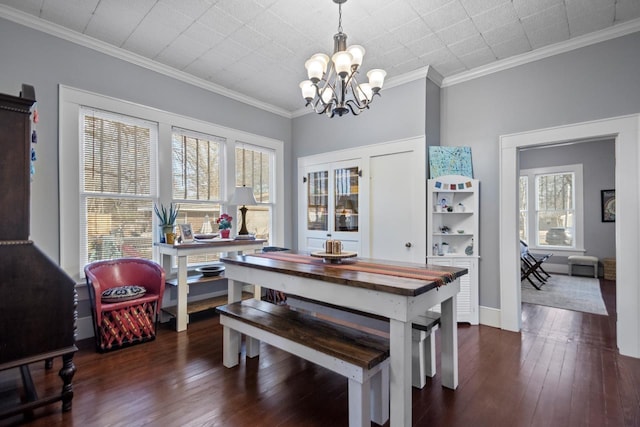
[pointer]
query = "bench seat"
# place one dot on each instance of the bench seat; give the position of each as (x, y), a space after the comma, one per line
(362, 358)
(423, 349)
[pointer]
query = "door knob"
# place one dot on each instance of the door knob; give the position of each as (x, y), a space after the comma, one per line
(408, 244)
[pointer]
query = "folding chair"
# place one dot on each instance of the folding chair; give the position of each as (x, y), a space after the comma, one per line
(532, 266)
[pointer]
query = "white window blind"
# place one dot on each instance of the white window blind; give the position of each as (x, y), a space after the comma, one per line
(117, 185)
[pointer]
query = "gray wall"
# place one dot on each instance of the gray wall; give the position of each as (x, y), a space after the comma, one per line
(32, 57)
(598, 161)
(590, 83)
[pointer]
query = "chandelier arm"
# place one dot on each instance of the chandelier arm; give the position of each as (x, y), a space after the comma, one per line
(360, 108)
(355, 99)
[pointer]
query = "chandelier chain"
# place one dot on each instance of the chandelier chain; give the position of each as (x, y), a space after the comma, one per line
(340, 17)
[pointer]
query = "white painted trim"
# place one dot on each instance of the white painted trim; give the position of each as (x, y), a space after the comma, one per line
(490, 316)
(618, 30)
(626, 132)
(56, 30)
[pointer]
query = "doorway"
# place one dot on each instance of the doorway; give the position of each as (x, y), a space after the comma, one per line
(625, 131)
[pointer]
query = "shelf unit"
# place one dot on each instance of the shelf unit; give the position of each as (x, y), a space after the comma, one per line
(182, 280)
(461, 194)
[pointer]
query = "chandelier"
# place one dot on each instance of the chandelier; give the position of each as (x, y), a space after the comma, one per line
(337, 91)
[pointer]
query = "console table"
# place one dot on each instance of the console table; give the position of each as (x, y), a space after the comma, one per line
(182, 251)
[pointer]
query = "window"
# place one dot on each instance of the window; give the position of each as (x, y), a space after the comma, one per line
(254, 168)
(524, 213)
(117, 185)
(118, 158)
(555, 195)
(197, 175)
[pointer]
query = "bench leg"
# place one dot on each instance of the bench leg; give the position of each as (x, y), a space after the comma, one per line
(252, 347)
(230, 347)
(423, 358)
(570, 269)
(359, 403)
(380, 396)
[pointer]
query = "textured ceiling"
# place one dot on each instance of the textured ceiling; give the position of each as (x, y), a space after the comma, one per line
(258, 47)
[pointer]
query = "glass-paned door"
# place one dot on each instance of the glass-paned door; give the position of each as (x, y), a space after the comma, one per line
(318, 200)
(346, 199)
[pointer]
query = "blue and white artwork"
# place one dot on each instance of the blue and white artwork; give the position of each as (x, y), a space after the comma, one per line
(450, 161)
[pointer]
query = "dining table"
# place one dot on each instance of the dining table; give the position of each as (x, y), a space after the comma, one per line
(398, 291)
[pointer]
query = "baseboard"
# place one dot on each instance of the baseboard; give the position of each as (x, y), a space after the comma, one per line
(490, 316)
(85, 328)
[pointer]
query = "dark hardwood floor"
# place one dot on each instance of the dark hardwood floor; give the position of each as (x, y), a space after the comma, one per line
(561, 370)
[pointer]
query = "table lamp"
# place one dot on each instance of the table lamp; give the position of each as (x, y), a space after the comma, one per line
(243, 196)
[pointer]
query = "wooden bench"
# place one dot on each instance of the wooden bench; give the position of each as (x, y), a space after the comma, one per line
(423, 348)
(362, 358)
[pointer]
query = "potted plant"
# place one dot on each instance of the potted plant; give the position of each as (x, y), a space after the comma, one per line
(224, 224)
(167, 217)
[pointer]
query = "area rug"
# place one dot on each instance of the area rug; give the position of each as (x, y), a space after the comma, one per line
(568, 292)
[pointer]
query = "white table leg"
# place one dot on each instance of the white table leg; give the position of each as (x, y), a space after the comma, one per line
(400, 372)
(449, 342)
(182, 317)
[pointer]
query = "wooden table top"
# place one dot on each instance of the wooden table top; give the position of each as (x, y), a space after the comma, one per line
(423, 277)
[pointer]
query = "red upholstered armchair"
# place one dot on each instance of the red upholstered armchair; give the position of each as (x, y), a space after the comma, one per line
(126, 295)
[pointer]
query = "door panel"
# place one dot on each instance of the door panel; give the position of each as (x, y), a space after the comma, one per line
(397, 217)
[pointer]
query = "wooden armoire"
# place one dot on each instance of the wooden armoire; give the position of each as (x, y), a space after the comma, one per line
(37, 299)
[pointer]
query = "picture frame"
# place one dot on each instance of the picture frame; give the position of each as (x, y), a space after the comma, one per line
(445, 198)
(186, 232)
(608, 205)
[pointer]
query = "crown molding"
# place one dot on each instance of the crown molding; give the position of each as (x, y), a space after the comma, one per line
(429, 72)
(36, 23)
(613, 32)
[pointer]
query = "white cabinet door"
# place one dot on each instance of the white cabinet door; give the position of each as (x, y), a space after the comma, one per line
(468, 310)
(397, 208)
(331, 205)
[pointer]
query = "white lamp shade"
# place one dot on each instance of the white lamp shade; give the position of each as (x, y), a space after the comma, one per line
(376, 78)
(308, 90)
(243, 196)
(357, 53)
(314, 69)
(342, 62)
(323, 59)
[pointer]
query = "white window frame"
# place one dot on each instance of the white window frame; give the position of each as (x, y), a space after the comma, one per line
(70, 101)
(578, 238)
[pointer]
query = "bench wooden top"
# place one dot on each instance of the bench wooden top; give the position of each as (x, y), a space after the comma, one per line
(352, 346)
